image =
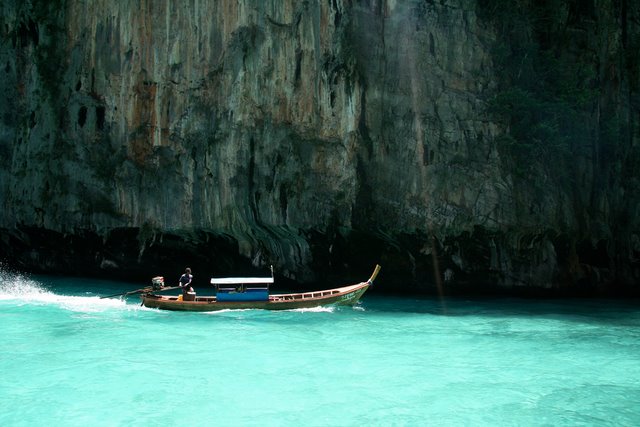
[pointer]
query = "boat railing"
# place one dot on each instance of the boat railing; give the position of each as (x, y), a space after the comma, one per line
(306, 295)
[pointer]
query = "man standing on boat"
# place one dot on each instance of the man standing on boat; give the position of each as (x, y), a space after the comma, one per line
(185, 281)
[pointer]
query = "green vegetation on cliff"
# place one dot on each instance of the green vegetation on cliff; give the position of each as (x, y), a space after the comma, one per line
(565, 81)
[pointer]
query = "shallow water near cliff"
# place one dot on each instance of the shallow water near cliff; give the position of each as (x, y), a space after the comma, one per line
(70, 358)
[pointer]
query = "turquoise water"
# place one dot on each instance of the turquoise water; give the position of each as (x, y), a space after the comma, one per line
(69, 358)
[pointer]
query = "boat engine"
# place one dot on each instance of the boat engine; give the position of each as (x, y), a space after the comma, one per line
(157, 283)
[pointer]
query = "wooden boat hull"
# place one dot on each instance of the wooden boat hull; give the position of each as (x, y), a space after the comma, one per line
(346, 295)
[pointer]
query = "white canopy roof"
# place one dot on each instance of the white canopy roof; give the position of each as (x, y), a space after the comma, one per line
(240, 280)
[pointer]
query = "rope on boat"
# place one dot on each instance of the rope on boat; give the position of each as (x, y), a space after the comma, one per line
(374, 275)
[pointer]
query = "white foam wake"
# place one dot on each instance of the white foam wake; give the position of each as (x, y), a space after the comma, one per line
(322, 309)
(24, 290)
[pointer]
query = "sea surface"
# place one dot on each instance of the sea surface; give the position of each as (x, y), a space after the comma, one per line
(69, 358)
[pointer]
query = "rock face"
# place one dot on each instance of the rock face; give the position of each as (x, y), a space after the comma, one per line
(461, 145)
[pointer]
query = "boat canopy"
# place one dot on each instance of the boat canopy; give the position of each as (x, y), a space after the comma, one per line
(240, 280)
(237, 289)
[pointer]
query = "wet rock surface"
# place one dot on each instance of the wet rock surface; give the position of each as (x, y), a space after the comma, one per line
(321, 138)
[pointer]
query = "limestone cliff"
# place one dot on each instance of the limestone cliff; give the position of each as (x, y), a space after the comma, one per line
(460, 143)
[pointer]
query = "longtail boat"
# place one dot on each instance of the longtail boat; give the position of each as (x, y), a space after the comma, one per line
(253, 293)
